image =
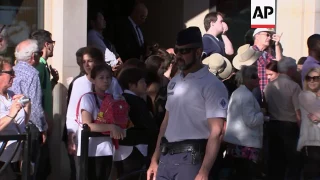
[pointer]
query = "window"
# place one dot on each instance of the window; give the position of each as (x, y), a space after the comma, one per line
(18, 18)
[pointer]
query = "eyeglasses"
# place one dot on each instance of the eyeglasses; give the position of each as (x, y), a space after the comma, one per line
(183, 50)
(267, 34)
(53, 43)
(313, 78)
(11, 72)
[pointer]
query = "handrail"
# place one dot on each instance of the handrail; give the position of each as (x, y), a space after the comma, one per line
(85, 134)
(26, 138)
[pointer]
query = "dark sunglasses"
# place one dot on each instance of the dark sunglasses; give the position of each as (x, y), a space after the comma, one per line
(314, 78)
(183, 50)
(11, 73)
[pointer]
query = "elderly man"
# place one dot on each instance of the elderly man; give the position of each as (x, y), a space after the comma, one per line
(283, 128)
(27, 82)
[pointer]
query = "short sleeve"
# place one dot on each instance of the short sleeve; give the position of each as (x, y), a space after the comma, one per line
(216, 100)
(87, 103)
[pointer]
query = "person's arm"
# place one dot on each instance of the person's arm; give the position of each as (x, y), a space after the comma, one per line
(227, 43)
(216, 105)
(295, 100)
(87, 107)
(33, 91)
(251, 117)
(213, 145)
(310, 103)
(8, 117)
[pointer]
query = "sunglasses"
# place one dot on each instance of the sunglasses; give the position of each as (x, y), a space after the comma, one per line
(183, 50)
(314, 78)
(11, 73)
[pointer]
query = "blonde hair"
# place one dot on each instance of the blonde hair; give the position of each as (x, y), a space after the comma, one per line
(305, 83)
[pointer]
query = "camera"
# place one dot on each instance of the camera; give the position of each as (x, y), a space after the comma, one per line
(24, 100)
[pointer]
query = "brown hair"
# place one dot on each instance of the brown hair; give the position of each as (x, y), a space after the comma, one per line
(272, 66)
(211, 17)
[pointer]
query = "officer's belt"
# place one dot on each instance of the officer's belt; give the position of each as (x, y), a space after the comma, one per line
(194, 146)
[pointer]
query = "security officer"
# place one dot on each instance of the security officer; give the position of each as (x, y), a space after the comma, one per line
(196, 108)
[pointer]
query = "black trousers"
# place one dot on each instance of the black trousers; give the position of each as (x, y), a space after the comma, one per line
(134, 162)
(284, 159)
(311, 162)
(40, 155)
(243, 169)
(99, 168)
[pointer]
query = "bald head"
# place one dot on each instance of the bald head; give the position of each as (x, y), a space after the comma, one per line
(25, 51)
(139, 13)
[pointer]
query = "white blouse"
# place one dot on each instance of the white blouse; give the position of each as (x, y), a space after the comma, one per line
(17, 126)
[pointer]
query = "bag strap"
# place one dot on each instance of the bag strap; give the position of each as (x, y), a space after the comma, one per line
(78, 105)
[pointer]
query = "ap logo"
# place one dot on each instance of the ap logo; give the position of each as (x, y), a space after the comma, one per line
(263, 13)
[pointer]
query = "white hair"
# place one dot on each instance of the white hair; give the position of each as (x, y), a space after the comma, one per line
(24, 54)
(285, 64)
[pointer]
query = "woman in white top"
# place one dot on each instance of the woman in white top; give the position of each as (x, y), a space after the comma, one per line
(309, 140)
(13, 116)
(244, 128)
(91, 57)
(100, 148)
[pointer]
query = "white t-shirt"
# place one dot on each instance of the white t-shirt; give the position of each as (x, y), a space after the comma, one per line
(81, 86)
(98, 146)
(191, 101)
(15, 127)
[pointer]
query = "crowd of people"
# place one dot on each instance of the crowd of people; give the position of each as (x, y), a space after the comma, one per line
(193, 113)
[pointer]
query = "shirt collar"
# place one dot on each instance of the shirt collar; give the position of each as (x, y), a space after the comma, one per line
(129, 92)
(198, 74)
(24, 65)
(132, 22)
(42, 60)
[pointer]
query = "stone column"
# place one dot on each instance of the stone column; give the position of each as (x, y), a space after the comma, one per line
(67, 21)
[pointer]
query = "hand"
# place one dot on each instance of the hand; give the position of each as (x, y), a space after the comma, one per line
(44, 136)
(116, 68)
(202, 175)
(224, 27)
(276, 38)
(72, 150)
(15, 108)
(17, 96)
(152, 171)
(117, 132)
(54, 73)
(313, 118)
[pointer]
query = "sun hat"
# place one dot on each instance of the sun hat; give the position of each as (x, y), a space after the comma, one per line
(218, 65)
(246, 55)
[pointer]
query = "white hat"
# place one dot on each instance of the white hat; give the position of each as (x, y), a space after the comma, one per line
(258, 30)
(216, 63)
(246, 55)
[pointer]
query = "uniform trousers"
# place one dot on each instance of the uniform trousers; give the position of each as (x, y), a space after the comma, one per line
(177, 167)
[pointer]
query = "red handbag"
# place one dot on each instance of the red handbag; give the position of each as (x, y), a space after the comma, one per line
(111, 112)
